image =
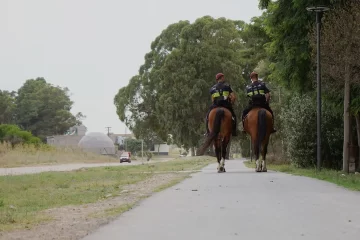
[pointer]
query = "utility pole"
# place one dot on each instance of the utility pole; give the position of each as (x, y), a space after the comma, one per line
(108, 128)
(319, 10)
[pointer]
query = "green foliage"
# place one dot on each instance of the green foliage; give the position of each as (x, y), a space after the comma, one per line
(7, 107)
(133, 145)
(14, 135)
(254, 53)
(245, 147)
(171, 93)
(299, 127)
(38, 107)
(288, 24)
(44, 109)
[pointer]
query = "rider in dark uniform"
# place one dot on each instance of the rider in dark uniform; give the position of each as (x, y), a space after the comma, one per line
(259, 96)
(222, 96)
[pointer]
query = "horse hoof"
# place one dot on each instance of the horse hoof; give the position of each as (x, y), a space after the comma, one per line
(264, 170)
(224, 170)
(257, 170)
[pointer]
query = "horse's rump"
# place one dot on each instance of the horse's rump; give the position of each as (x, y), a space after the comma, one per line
(219, 126)
(220, 121)
(258, 123)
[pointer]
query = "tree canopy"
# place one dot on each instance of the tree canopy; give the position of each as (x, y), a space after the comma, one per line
(170, 95)
(7, 106)
(39, 107)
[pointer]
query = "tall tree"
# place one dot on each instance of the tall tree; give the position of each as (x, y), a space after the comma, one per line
(256, 39)
(341, 68)
(7, 107)
(288, 24)
(43, 108)
(171, 93)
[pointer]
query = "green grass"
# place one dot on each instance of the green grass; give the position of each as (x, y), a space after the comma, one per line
(349, 181)
(23, 197)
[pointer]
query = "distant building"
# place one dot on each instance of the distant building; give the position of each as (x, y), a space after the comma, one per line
(160, 149)
(97, 142)
(120, 138)
(70, 139)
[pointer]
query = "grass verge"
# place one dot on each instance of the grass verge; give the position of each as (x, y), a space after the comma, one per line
(349, 181)
(23, 197)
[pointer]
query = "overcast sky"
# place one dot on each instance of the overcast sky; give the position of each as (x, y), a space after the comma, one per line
(93, 47)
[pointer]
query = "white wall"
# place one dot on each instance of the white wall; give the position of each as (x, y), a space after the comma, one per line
(164, 148)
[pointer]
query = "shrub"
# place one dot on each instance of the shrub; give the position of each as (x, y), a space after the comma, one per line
(299, 132)
(14, 135)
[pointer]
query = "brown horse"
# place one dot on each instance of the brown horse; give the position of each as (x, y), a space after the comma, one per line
(220, 126)
(258, 124)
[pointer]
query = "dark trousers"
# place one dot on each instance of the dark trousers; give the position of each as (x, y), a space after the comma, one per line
(229, 107)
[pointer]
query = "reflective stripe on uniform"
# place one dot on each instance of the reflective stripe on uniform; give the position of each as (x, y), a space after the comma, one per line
(256, 92)
(217, 94)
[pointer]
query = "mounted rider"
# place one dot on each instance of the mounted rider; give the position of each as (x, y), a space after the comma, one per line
(222, 95)
(259, 96)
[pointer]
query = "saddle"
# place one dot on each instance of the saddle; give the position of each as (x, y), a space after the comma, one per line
(217, 106)
(254, 107)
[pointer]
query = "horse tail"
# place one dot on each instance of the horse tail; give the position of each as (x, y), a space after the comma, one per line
(261, 129)
(220, 113)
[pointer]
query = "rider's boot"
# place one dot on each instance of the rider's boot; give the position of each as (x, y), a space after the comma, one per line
(234, 127)
(207, 128)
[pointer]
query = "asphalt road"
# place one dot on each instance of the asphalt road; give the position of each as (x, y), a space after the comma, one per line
(68, 167)
(241, 204)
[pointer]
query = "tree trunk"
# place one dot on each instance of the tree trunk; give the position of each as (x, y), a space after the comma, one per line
(357, 117)
(346, 119)
(192, 149)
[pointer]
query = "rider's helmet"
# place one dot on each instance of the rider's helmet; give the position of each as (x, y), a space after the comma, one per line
(218, 76)
(254, 74)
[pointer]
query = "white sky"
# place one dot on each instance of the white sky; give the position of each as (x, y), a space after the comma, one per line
(93, 47)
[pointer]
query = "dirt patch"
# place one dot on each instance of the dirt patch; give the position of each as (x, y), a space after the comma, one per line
(75, 222)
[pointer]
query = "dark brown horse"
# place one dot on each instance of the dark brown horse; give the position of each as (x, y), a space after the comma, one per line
(258, 124)
(220, 126)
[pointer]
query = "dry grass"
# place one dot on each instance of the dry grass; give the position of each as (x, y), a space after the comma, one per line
(24, 197)
(23, 155)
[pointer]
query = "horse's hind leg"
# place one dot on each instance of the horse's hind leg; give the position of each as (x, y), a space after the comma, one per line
(256, 152)
(217, 153)
(263, 158)
(224, 144)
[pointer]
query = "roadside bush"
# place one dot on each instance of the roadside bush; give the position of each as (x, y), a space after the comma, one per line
(14, 135)
(299, 132)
